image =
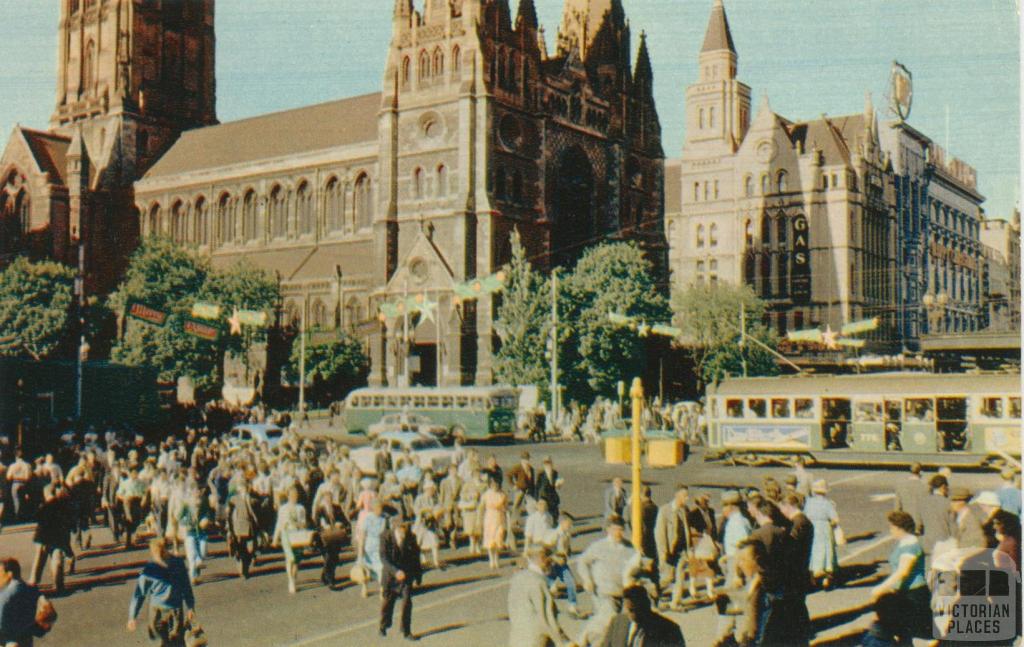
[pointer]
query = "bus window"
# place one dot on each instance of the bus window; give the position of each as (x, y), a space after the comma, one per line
(757, 407)
(992, 408)
(393, 401)
(920, 410)
(868, 412)
(780, 408)
(734, 408)
(378, 401)
(804, 408)
(477, 403)
(1014, 409)
(461, 402)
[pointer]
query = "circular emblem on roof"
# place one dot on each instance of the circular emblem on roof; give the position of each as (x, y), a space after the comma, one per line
(419, 270)
(510, 132)
(765, 151)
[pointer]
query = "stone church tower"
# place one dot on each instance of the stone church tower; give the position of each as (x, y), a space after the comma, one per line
(131, 77)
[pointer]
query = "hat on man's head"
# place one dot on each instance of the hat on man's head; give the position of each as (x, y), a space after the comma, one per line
(960, 494)
(525, 455)
(732, 497)
(819, 487)
(988, 498)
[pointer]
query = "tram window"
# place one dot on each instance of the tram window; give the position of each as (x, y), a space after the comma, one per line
(868, 412)
(893, 410)
(461, 402)
(920, 411)
(758, 407)
(804, 408)
(1014, 409)
(433, 402)
(780, 408)
(734, 408)
(992, 408)
(952, 409)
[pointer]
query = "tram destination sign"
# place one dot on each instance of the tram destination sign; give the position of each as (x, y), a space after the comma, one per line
(800, 282)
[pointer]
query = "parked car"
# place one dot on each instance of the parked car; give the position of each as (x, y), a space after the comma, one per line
(408, 422)
(426, 451)
(258, 433)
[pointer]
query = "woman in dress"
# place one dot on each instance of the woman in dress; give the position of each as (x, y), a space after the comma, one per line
(373, 525)
(902, 601)
(427, 509)
(291, 516)
(821, 512)
(469, 511)
(494, 503)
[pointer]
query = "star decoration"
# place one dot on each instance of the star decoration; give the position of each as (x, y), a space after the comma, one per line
(427, 308)
(829, 338)
(235, 323)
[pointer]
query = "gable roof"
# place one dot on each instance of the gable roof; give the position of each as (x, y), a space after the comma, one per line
(49, 151)
(835, 136)
(279, 134)
(718, 36)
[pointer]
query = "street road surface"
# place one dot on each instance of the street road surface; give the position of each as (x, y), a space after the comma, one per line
(465, 604)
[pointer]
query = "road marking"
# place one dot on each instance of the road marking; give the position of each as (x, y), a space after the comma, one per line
(864, 549)
(421, 607)
(855, 477)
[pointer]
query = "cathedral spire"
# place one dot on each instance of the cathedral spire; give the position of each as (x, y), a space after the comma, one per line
(718, 36)
(643, 73)
(527, 14)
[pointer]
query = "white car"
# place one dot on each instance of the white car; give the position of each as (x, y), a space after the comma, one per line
(255, 433)
(407, 422)
(426, 451)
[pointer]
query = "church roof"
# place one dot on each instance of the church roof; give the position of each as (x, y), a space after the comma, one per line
(279, 134)
(49, 151)
(718, 35)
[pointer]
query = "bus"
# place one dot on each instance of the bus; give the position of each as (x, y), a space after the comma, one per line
(967, 420)
(469, 413)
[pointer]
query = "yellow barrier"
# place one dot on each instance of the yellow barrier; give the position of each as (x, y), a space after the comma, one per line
(664, 452)
(617, 449)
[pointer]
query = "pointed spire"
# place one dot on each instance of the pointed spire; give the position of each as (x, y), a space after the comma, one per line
(403, 8)
(718, 37)
(643, 69)
(527, 14)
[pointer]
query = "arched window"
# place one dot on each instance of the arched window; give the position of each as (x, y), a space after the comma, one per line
(711, 117)
(766, 275)
(764, 184)
(335, 204)
(353, 313)
(424, 71)
(318, 314)
(202, 222)
(748, 186)
(700, 120)
(88, 66)
(278, 213)
(250, 221)
(781, 182)
(363, 200)
(671, 233)
(513, 73)
(304, 210)
(696, 191)
(705, 190)
(438, 62)
(781, 229)
(748, 233)
(417, 183)
(179, 223)
(716, 189)
(783, 283)
(500, 187)
(22, 212)
(456, 59)
(713, 235)
(406, 71)
(225, 223)
(153, 221)
(700, 235)
(749, 270)
(517, 186)
(766, 231)
(442, 180)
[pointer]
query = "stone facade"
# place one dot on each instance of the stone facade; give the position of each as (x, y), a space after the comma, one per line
(1001, 272)
(407, 192)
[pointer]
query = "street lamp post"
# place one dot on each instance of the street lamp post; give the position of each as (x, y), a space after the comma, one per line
(637, 395)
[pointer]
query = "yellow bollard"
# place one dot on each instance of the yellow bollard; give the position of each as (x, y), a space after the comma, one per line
(636, 392)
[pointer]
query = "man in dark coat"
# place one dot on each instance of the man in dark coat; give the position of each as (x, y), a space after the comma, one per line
(52, 537)
(640, 626)
(798, 557)
(547, 487)
(400, 559)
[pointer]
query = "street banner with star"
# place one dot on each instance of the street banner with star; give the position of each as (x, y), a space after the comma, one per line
(149, 314)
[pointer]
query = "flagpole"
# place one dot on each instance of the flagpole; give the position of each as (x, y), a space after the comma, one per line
(302, 362)
(437, 328)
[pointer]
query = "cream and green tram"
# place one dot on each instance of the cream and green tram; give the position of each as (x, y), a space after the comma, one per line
(881, 418)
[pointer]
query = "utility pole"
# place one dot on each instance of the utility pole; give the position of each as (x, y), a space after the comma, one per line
(636, 393)
(743, 337)
(302, 363)
(80, 293)
(554, 346)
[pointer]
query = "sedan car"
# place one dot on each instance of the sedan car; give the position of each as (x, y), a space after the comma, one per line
(258, 433)
(425, 450)
(407, 422)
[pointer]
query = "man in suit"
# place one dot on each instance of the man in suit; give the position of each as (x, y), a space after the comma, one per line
(547, 487)
(400, 561)
(964, 524)
(615, 499)
(773, 535)
(798, 557)
(673, 541)
(910, 493)
(935, 514)
(523, 479)
(640, 626)
(648, 519)
(532, 614)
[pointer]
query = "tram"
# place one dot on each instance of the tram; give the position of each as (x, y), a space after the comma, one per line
(963, 420)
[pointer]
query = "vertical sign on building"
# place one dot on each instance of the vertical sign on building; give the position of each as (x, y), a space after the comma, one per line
(800, 281)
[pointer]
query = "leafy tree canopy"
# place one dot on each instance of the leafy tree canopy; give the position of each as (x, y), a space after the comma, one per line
(35, 307)
(523, 323)
(333, 369)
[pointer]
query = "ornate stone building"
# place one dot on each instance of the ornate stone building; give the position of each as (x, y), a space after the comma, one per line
(131, 76)
(407, 192)
(800, 211)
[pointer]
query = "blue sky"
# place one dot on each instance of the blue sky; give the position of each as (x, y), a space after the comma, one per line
(809, 56)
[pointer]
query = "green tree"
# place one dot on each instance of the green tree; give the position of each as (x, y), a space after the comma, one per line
(246, 287)
(523, 322)
(709, 316)
(332, 370)
(595, 353)
(35, 308)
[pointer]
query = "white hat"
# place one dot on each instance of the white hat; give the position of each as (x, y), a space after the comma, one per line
(987, 498)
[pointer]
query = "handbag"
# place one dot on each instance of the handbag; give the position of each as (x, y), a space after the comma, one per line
(358, 574)
(195, 636)
(840, 536)
(706, 549)
(300, 538)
